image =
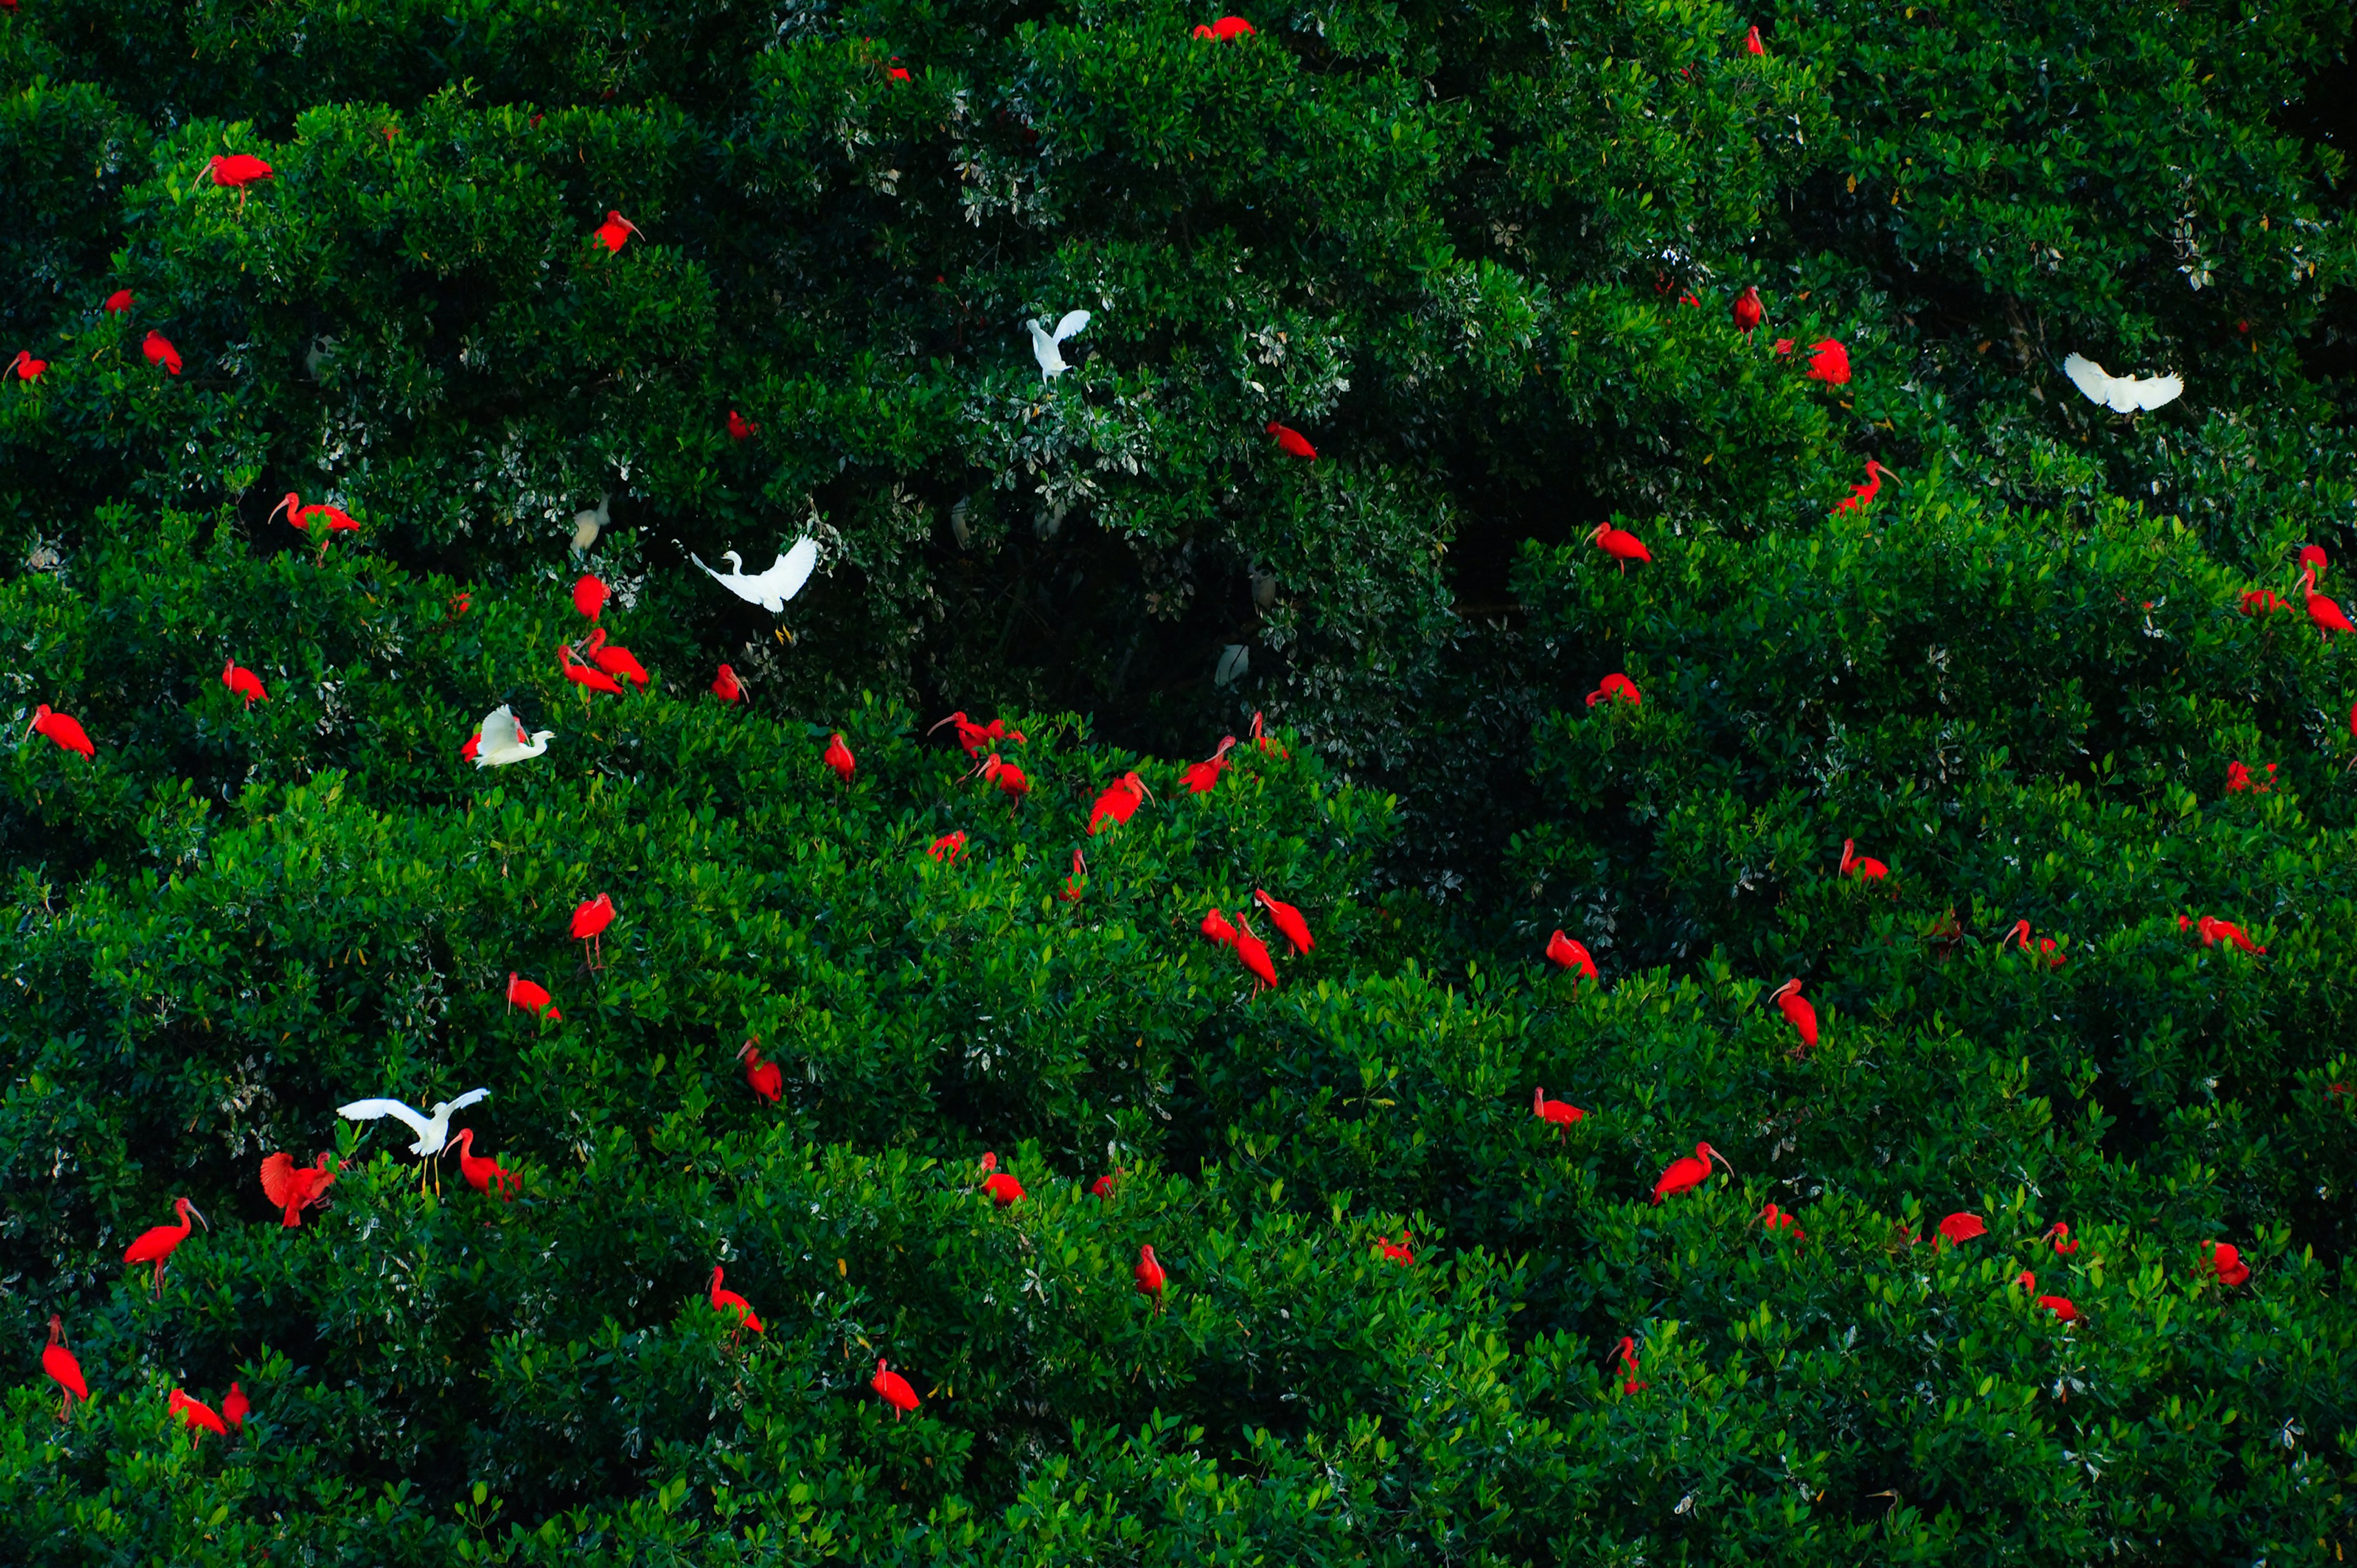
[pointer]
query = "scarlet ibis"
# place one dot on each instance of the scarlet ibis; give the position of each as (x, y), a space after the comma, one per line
(1254, 954)
(121, 300)
(2046, 946)
(838, 757)
(1291, 441)
(2060, 1234)
(893, 1388)
(1621, 544)
(1396, 1251)
(1863, 866)
(159, 351)
(1862, 495)
(1149, 1277)
(2060, 1306)
(301, 517)
(615, 233)
(1268, 743)
(897, 71)
(238, 170)
(1011, 781)
(1747, 310)
(614, 660)
(481, 1170)
(531, 997)
(2326, 614)
(1215, 926)
(1288, 922)
(1119, 802)
(2238, 779)
(2312, 558)
(62, 730)
(293, 1188)
(199, 1418)
(2213, 930)
(1557, 1113)
(63, 1369)
(726, 687)
(244, 682)
(1829, 361)
(949, 848)
(1002, 1188)
(1798, 1013)
(590, 918)
(500, 740)
(588, 597)
(1962, 1226)
(155, 1246)
(1751, 44)
(976, 738)
(1617, 688)
(1776, 1219)
(473, 746)
(761, 1075)
(588, 676)
(1688, 1171)
(2262, 601)
(1102, 1185)
(233, 1408)
(1201, 778)
(433, 1132)
(2226, 1261)
(27, 368)
(1565, 953)
(1048, 346)
(1626, 1352)
(730, 1301)
(1077, 880)
(2121, 394)
(1226, 27)
(740, 428)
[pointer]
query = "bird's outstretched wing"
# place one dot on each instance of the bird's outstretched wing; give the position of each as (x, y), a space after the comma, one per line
(2089, 378)
(797, 562)
(1071, 325)
(278, 1179)
(2121, 394)
(468, 1098)
(370, 1110)
(2152, 392)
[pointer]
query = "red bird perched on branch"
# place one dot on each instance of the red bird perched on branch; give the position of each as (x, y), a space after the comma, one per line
(1863, 866)
(1829, 361)
(590, 918)
(615, 233)
(2238, 778)
(740, 428)
(1621, 544)
(532, 998)
(2060, 1234)
(1002, 1188)
(63, 1369)
(949, 848)
(1254, 954)
(293, 1188)
(1215, 926)
(2046, 948)
(1751, 44)
(159, 351)
(616, 661)
(1011, 781)
(1798, 1013)
(2325, 613)
(976, 738)
(726, 687)
(1149, 1277)
(1077, 880)
(588, 676)
(1291, 441)
(27, 368)
(2225, 1260)
(837, 757)
(730, 1302)
(2215, 930)
(1688, 1171)
(1202, 776)
(121, 300)
(2262, 601)
(1565, 953)
(482, 1171)
(1626, 1352)
(893, 1389)
(1862, 495)
(1617, 688)
(1556, 1114)
(1962, 1226)
(198, 1417)
(238, 170)
(1268, 743)
(157, 1245)
(761, 1075)
(588, 597)
(2060, 1306)
(60, 729)
(1288, 922)
(1119, 802)
(1778, 1220)
(1748, 311)
(1396, 1251)
(1226, 27)
(233, 1408)
(244, 682)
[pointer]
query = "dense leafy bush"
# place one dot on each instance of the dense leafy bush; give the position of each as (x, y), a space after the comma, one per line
(1487, 259)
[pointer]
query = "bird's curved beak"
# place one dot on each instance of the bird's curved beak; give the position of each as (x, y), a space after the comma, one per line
(1722, 1160)
(201, 1218)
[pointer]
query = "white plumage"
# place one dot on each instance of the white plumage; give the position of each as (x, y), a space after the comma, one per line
(503, 740)
(433, 1132)
(2122, 394)
(772, 589)
(1047, 346)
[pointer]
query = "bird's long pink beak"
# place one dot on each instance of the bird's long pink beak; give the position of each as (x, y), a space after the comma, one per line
(201, 1218)
(1722, 1160)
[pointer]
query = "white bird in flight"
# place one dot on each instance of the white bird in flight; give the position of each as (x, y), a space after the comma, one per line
(503, 740)
(2122, 394)
(1046, 345)
(432, 1133)
(774, 587)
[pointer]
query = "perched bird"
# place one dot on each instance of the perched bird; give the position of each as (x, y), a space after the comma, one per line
(293, 1188)
(838, 757)
(1226, 27)
(1149, 1276)
(2060, 1306)
(974, 738)
(615, 660)
(772, 589)
(2046, 945)
(1626, 1350)
(244, 682)
(60, 729)
(2325, 613)
(740, 428)
(1778, 1220)
(2060, 1234)
(1048, 347)
(433, 1132)
(2312, 558)
(1215, 926)
(1002, 1188)
(761, 1075)
(63, 1369)
(1688, 1171)
(480, 1170)
(2121, 394)
(1288, 922)
(157, 1246)
(1862, 865)
(588, 597)
(1291, 441)
(1077, 880)
(1557, 1113)
(1267, 743)
(1862, 495)
(2225, 1260)
(1748, 311)
(234, 1408)
(586, 525)
(1102, 1185)
(586, 676)
(159, 351)
(1119, 801)
(949, 848)
(1617, 688)
(121, 300)
(531, 997)
(1201, 777)
(2213, 931)
(726, 687)
(1797, 1012)
(1011, 781)
(893, 1388)
(501, 741)
(590, 918)
(238, 170)
(1621, 544)
(1565, 953)
(1254, 954)
(1398, 1252)
(1829, 361)
(1751, 44)
(1962, 1226)
(728, 1301)
(199, 1418)
(27, 369)
(615, 233)
(301, 517)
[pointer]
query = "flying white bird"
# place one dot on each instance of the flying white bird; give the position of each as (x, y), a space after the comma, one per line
(1045, 345)
(503, 740)
(586, 525)
(774, 587)
(2122, 394)
(432, 1134)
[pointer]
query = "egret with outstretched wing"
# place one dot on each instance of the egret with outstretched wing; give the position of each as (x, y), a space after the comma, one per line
(502, 741)
(433, 1132)
(1048, 347)
(772, 589)
(2122, 394)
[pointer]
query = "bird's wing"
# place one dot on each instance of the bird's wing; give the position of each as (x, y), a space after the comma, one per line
(799, 563)
(2089, 378)
(1071, 326)
(278, 1179)
(370, 1109)
(498, 722)
(469, 1098)
(2154, 392)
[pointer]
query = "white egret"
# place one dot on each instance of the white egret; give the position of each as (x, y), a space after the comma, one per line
(502, 740)
(772, 589)
(432, 1133)
(586, 525)
(2121, 394)
(1045, 345)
